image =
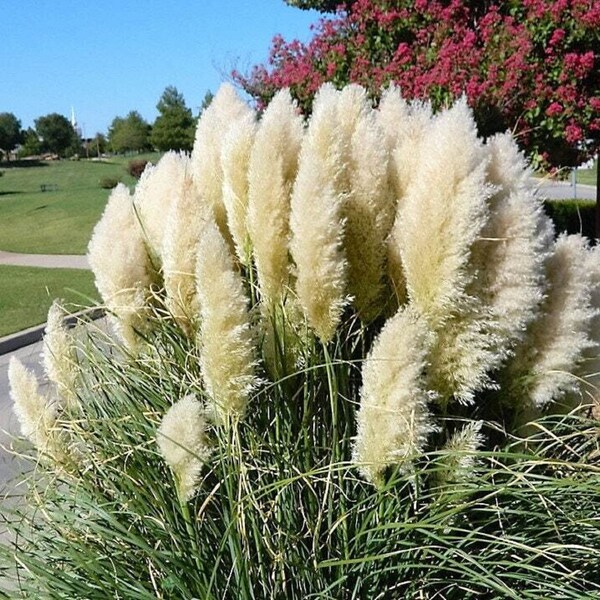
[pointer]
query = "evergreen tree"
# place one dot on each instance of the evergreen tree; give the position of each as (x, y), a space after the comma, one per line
(174, 128)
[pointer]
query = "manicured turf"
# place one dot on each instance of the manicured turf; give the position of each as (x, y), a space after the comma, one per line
(588, 176)
(59, 221)
(26, 294)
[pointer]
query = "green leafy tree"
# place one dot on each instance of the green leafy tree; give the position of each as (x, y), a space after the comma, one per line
(129, 134)
(57, 134)
(31, 145)
(175, 126)
(10, 133)
(97, 145)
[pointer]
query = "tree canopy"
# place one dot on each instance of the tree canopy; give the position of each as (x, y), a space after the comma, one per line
(31, 145)
(174, 128)
(208, 98)
(57, 133)
(130, 133)
(532, 66)
(10, 132)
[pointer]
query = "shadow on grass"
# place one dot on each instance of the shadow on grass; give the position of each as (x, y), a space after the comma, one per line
(23, 164)
(2, 193)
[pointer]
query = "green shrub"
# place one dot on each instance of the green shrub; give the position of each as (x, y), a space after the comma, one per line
(108, 183)
(136, 167)
(573, 216)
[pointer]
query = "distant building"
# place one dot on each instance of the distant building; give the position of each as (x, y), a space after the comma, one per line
(74, 123)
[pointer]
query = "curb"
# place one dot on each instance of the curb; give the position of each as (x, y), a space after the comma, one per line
(13, 342)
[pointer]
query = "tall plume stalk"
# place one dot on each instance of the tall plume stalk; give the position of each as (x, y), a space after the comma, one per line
(545, 365)
(317, 220)
(224, 113)
(227, 349)
(235, 158)
(60, 356)
(404, 126)
(119, 258)
(154, 194)
(272, 171)
(369, 206)
(393, 419)
(185, 222)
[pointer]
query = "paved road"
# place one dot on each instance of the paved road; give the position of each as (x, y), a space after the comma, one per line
(557, 190)
(51, 261)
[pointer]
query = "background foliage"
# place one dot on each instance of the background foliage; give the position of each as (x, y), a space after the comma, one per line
(129, 134)
(530, 66)
(175, 126)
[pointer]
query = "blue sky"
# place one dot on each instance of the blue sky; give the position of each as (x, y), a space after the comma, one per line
(108, 57)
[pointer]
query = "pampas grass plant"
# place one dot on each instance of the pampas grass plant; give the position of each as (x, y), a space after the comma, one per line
(273, 421)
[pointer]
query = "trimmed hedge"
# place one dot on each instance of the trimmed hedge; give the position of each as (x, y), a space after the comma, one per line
(572, 216)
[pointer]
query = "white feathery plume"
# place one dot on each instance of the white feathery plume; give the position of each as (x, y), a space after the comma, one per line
(545, 365)
(183, 443)
(225, 112)
(443, 213)
(369, 211)
(514, 245)
(235, 158)
(185, 222)
(393, 418)
(36, 414)
(353, 106)
(461, 355)
(317, 220)
(404, 127)
(154, 194)
(504, 296)
(393, 113)
(283, 338)
(589, 370)
(227, 352)
(59, 355)
(273, 168)
(361, 180)
(118, 257)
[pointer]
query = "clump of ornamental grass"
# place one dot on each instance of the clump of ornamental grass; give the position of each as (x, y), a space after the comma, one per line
(351, 361)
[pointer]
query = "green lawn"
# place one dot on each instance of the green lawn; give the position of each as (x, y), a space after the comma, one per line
(587, 176)
(61, 221)
(584, 176)
(26, 294)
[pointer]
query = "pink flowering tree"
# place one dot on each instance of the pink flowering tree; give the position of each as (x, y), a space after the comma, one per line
(531, 66)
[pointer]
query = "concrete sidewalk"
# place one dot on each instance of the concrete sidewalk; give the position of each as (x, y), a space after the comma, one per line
(49, 261)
